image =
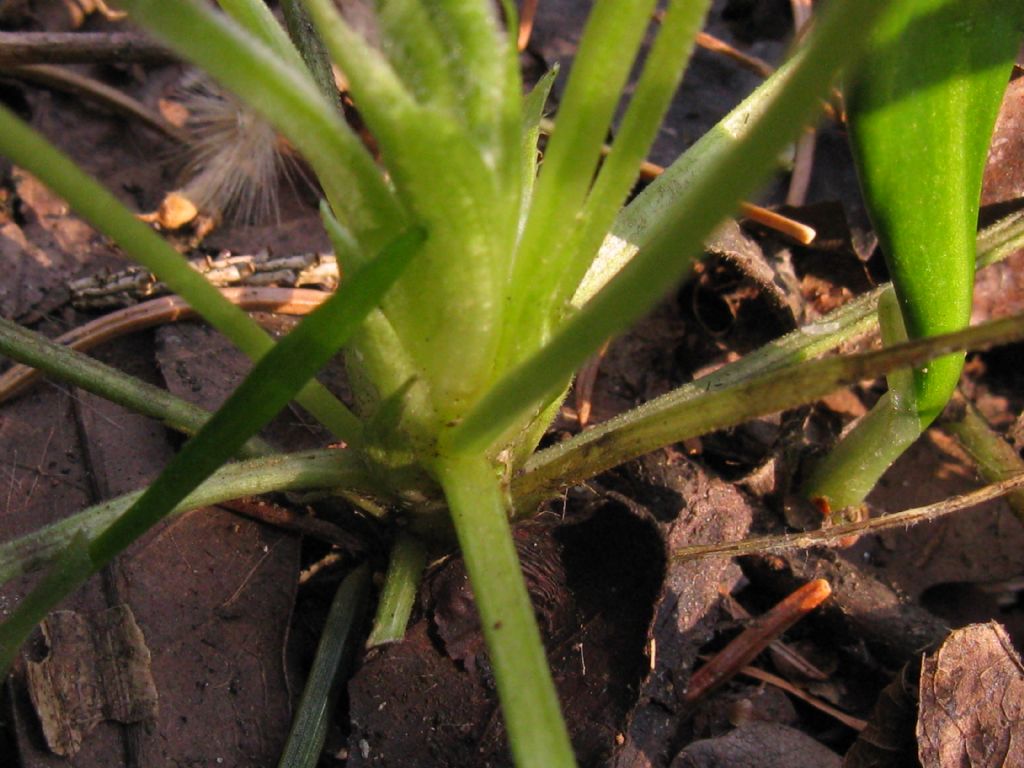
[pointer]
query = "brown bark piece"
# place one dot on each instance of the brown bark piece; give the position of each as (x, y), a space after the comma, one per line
(972, 701)
(758, 745)
(98, 669)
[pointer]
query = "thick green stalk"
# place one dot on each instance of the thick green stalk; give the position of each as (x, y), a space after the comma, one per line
(536, 730)
(405, 572)
(922, 108)
(995, 459)
(105, 212)
(847, 474)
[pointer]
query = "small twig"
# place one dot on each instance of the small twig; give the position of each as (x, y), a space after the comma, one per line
(714, 44)
(66, 80)
(794, 659)
(745, 60)
(830, 535)
(306, 525)
(767, 677)
(802, 233)
(168, 309)
(22, 48)
(585, 380)
(526, 16)
(755, 638)
(803, 160)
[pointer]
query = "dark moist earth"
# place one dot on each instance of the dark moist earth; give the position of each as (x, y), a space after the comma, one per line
(215, 600)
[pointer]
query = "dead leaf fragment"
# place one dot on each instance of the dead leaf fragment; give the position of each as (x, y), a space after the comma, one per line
(758, 745)
(972, 701)
(98, 669)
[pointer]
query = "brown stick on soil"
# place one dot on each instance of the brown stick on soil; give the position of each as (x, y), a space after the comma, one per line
(763, 632)
(71, 82)
(21, 48)
(286, 301)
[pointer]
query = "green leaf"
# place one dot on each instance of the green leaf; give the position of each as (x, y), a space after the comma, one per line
(671, 245)
(922, 108)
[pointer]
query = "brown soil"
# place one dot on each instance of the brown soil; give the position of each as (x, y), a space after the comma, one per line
(230, 630)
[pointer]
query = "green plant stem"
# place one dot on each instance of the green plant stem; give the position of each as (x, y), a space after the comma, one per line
(995, 459)
(547, 472)
(536, 730)
(1000, 239)
(70, 571)
(66, 364)
(273, 381)
(326, 470)
(333, 657)
(672, 418)
(405, 572)
(311, 48)
(256, 17)
(96, 205)
(846, 475)
(673, 243)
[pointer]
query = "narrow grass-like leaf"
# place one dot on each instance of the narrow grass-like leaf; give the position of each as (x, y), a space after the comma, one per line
(306, 471)
(70, 571)
(536, 730)
(420, 60)
(311, 49)
(663, 69)
(334, 654)
(533, 113)
(405, 572)
(570, 161)
(288, 99)
(256, 17)
(264, 392)
(66, 364)
(672, 418)
(673, 244)
(105, 212)
(661, 200)
(446, 310)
